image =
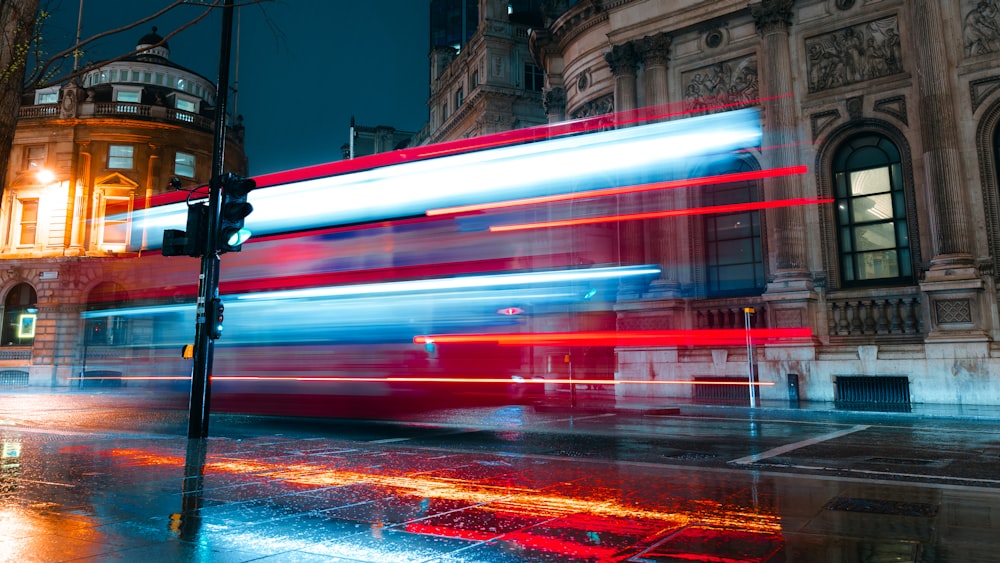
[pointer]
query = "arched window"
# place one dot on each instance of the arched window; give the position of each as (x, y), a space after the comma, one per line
(872, 227)
(734, 262)
(19, 316)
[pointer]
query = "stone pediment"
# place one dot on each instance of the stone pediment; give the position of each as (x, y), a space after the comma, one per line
(116, 180)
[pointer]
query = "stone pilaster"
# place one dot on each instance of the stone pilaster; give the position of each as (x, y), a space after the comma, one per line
(954, 302)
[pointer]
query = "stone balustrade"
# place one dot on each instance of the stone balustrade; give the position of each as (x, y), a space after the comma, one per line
(875, 315)
(120, 109)
(728, 315)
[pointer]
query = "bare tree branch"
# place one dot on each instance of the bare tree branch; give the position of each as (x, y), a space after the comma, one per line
(34, 81)
(38, 76)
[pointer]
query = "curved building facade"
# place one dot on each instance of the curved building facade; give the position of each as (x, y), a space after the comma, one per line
(87, 156)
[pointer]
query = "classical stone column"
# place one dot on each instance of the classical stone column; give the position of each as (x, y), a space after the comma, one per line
(554, 102)
(953, 305)
(786, 226)
(655, 57)
(624, 61)
(939, 137)
(665, 237)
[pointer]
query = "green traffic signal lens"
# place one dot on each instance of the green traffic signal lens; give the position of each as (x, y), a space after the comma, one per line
(238, 237)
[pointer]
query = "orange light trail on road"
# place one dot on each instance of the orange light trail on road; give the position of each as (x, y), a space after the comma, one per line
(730, 208)
(654, 186)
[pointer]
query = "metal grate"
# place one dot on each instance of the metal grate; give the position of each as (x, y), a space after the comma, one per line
(726, 390)
(885, 392)
(13, 378)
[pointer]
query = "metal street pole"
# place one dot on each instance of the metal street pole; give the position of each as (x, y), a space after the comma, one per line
(747, 311)
(208, 281)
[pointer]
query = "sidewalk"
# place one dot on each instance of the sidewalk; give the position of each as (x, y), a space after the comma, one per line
(820, 410)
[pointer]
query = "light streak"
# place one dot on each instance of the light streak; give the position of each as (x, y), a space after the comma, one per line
(456, 380)
(654, 186)
(460, 282)
(484, 380)
(714, 209)
(409, 189)
(696, 337)
(419, 286)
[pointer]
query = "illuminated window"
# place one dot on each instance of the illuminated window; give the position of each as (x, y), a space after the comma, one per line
(186, 105)
(19, 316)
(47, 96)
(131, 96)
(34, 157)
(120, 156)
(184, 164)
(872, 226)
(115, 230)
(27, 221)
(734, 263)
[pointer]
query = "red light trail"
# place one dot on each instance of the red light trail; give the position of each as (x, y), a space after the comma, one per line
(697, 337)
(730, 208)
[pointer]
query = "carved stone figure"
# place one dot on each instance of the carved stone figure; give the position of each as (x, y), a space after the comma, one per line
(981, 29)
(730, 82)
(853, 54)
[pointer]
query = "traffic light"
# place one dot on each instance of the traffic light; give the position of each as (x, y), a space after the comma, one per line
(233, 211)
(190, 242)
(213, 318)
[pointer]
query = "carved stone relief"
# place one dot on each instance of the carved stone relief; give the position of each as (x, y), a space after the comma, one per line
(981, 27)
(894, 106)
(599, 106)
(730, 82)
(854, 54)
(953, 311)
(983, 88)
(822, 121)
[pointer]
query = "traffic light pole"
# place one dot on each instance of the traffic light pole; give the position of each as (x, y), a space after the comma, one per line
(208, 281)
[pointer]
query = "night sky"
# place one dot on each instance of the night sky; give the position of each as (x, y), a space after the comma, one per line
(305, 66)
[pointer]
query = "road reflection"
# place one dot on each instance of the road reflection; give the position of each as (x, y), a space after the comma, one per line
(510, 504)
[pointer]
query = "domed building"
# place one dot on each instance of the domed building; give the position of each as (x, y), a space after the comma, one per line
(87, 157)
(893, 107)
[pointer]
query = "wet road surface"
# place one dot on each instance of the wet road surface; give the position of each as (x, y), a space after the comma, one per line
(112, 477)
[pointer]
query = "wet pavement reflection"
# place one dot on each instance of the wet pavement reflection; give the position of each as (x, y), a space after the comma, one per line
(291, 496)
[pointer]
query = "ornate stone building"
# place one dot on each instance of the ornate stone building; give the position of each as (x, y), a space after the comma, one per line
(894, 107)
(483, 77)
(87, 156)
